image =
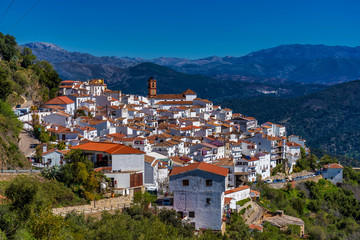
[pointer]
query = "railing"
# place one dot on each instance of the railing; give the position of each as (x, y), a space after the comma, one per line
(20, 171)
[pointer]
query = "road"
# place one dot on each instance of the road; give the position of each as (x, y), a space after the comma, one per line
(27, 143)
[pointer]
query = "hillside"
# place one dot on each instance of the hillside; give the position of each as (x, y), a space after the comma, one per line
(328, 119)
(134, 80)
(21, 81)
(307, 63)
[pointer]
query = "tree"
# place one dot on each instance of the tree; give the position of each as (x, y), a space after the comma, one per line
(22, 194)
(27, 57)
(237, 229)
(45, 225)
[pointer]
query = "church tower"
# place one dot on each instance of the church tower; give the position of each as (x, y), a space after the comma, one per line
(151, 87)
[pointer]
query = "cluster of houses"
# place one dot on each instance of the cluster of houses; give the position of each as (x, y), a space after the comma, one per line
(179, 143)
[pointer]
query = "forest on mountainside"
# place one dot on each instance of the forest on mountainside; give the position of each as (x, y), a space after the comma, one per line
(328, 119)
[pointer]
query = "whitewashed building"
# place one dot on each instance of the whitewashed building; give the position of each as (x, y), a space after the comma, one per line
(199, 191)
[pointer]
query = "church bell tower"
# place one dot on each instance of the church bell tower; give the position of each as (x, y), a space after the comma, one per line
(151, 87)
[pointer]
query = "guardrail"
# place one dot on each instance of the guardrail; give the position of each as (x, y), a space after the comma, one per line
(20, 171)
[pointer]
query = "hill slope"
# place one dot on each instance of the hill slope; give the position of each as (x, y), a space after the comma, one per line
(295, 62)
(134, 80)
(21, 80)
(328, 119)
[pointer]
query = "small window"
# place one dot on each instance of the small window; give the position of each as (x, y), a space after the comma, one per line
(192, 224)
(208, 200)
(192, 214)
(208, 183)
(186, 182)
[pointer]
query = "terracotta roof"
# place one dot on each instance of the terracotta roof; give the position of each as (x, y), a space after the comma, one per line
(103, 169)
(189, 92)
(224, 162)
(62, 100)
(174, 103)
(207, 167)
(149, 159)
(116, 135)
(111, 148)
(333, 165)
(252, 226)
(53, 150)
(227, 200)
(293, 144)
(237, 189)
(62, 129)
(169, 96)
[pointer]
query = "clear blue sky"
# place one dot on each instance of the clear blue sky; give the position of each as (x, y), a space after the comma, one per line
(190, 29)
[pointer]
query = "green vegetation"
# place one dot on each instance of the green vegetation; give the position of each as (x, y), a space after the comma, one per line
(243, 202)
(22, 78)
(327, 119)
(329, 212)
(78, 175)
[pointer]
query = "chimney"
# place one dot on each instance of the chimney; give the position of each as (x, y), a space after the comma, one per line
(71, 129)
(56, 128)
(44, 148)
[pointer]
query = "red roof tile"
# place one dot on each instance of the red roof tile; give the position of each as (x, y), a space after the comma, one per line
(252, 226)
(237, 189)
(207, 167)
(62, 100)
(189, 92)
(333, 165)
(111, 148)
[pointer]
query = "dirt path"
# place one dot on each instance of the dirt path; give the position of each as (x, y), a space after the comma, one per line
(256, 215)
(27, 143)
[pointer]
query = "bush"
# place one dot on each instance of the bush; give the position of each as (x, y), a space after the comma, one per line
(243, 202)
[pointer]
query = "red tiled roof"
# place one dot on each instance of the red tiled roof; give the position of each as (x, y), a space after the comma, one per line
(111, 148)
(237, 189)
(53, 150)
(293, 144)
(333, 165)
(227, 200)
(207, 167)
(174, 103)
(60, 101)
(116, 135)
(252, 226)
(189, 92)
(169, 96)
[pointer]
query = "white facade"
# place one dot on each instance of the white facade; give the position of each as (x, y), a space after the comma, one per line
(200, 204)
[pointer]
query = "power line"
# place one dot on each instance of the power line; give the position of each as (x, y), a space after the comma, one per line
(23, 16)
(6, 11)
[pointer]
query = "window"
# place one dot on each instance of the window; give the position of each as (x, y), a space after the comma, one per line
(192, 224)
(208, 183)
(186, 182)
(208, 200)
(192, 214)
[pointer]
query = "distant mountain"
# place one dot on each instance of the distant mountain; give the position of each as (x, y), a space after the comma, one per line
(302, 63)
(134, 80)
(328, 119)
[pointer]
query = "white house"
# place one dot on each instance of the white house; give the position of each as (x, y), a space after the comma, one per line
(124, 165)
(63, 102)
(239, 193)
(199, 191)
(53, 157)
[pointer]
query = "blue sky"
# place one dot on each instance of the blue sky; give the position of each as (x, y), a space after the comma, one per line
(190, 29)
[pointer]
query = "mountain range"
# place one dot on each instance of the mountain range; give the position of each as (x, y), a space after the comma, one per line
(306, 63)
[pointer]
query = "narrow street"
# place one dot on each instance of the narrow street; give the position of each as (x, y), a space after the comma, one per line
(27, 143)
